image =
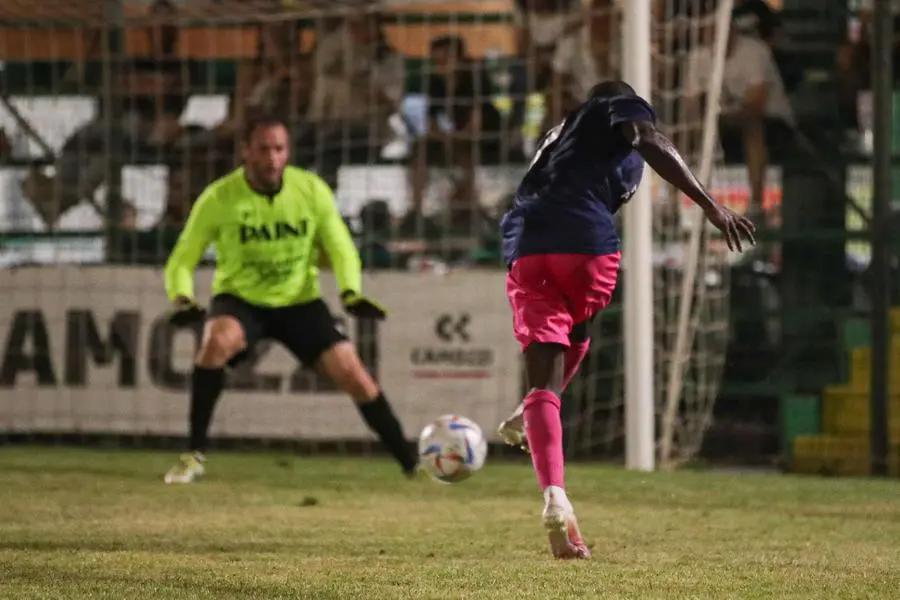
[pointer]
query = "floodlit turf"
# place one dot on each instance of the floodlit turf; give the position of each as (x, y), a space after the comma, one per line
(79, 524)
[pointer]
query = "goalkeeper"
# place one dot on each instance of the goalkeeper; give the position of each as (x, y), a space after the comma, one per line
(267, 221)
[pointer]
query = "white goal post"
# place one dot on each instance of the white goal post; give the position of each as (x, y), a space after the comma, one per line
(639, 339)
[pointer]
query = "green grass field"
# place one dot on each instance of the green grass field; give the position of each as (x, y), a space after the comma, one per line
(85, 524)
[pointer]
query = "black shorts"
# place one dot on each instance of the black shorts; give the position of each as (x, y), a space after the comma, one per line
(306, 330)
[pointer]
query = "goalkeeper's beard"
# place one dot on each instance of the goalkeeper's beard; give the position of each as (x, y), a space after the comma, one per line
(268, 186)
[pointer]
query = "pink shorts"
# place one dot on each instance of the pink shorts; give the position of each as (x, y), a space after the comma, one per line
(551, 293)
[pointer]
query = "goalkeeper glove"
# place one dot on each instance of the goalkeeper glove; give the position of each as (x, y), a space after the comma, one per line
(361, 307)
(186, 313)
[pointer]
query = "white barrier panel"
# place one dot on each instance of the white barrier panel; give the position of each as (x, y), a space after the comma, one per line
(88, 350)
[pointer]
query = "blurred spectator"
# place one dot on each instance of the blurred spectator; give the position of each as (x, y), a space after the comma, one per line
(756, 17)
(273, 85)
(756, 120)
(555, 45)
(541, 24)
(82, 166)
(279, 37)
(154, 97)
(278, 81)
(269, 88)
(605, 37)
(359, 82)
(583, 56)
(855, 67)
(282, 90)
(375, 236)
(185, 184)
(156, 85)
(129, 217)
(459, 91)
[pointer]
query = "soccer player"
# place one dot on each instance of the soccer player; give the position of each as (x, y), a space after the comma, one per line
(562, 250)
(267, 221)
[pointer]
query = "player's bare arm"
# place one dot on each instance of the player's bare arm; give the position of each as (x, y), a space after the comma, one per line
(664, 158)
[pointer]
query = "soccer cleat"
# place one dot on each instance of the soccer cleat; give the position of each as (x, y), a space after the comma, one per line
(562, 530)
(188, 469)
(512, 430)
(417, 472)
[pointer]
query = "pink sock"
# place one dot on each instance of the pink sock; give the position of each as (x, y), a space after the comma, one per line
(574, 356)
(543, 427)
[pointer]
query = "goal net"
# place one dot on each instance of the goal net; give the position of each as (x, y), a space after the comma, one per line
(690, 282)
(115, 115)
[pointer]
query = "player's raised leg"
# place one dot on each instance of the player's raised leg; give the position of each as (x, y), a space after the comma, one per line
(542, 324)
(224, 337)
(342, 364)
(587, 294)
(512, 430)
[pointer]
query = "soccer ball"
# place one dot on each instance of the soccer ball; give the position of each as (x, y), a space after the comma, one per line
(452, 448)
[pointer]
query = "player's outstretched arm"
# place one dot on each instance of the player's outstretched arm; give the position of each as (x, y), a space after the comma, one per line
(344, 257)
(196, 236)
(664, 158)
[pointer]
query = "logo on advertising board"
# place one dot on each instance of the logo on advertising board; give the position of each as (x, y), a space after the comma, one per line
(454, 352)
(122, 341)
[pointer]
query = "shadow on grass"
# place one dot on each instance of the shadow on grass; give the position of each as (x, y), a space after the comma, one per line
(175, 585)
(153, 474)
(151, 546)
(83, 469)
(273, 477)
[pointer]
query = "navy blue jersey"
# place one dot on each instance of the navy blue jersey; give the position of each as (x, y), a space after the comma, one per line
(582, 173)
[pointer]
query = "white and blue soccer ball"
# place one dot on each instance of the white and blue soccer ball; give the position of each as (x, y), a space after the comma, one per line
(452, 448)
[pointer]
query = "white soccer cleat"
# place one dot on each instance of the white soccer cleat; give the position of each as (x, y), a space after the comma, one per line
(562, 529)
(512, 430)
(188, 469)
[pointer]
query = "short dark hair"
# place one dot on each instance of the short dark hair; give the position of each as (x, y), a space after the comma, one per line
(611, 88)
(255, 121)
(454, 43)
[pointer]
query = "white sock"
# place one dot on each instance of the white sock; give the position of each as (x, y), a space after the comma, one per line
(558, 494)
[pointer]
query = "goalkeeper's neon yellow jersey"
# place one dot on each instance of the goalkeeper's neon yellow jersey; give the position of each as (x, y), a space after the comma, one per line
(266, 248)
